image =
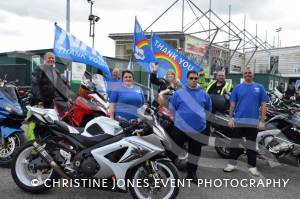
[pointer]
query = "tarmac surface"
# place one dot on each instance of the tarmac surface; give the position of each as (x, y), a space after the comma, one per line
(210, 171)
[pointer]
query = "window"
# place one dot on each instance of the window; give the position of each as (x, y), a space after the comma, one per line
(124, 50)
(271, 85)
(172, 42)
(274, 60)
(35, 60)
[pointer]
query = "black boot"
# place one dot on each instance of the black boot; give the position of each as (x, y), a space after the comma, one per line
(193, 176)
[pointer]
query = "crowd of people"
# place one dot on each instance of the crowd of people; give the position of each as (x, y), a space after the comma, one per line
(190, 104)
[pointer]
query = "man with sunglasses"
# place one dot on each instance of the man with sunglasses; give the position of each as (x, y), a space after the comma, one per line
(247, 100)
(189, 106)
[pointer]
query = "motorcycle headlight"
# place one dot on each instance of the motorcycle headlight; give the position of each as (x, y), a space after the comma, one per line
(9, 109)
(105, 97)
(13, 110)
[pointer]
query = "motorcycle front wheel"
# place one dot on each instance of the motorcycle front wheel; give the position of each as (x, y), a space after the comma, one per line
(9, 148)
(165, 172)
(29, 179)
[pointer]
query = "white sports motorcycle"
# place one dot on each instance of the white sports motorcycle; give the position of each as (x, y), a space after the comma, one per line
(101, 150)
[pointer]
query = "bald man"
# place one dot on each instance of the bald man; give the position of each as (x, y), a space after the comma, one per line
(115, 73)
(47, 83)
(246, 117)
(114, 82)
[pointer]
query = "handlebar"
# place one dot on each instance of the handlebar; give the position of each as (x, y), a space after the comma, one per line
(13, 83)
(132, 125)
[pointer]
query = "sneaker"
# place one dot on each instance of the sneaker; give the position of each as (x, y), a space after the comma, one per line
(230, 168)
(254, 171)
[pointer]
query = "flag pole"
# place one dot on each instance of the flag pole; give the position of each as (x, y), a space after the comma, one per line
(129, 63)
(149, 75)
(131, 57)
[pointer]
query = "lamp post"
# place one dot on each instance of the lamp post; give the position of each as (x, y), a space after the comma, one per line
(68, 16)
(93, 19)
(278, 30)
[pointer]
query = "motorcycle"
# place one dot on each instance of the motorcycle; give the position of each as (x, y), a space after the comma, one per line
(88, 105)
(100, 150)
(12, 115)
(25, 94)
(91, 102)
(281, 137)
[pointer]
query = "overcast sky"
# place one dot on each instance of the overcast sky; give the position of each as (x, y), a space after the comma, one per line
(29, 24)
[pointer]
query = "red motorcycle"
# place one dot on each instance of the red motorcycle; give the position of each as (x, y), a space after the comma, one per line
(164, 115)
(92, 102)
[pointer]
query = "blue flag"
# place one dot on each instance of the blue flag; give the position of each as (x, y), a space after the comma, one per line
(169, 58)
(141, 49)
(69, 47)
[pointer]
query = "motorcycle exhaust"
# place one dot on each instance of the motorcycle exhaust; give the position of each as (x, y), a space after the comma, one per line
(45, 155)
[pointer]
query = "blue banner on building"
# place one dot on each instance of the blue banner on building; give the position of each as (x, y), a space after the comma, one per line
(69, 47)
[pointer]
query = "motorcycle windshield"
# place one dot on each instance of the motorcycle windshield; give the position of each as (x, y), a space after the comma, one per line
(9, 93)
(100, 83)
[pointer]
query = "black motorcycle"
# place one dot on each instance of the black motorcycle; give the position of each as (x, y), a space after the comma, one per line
(281, 136)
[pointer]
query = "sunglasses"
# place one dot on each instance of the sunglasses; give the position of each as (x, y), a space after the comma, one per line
(247, 72)
(193, 78)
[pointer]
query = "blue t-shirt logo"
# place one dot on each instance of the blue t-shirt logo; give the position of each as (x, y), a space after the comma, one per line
(256, 89)
(139, 91)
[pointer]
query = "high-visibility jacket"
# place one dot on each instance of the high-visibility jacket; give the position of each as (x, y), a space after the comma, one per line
(226, 88)
(203, 82)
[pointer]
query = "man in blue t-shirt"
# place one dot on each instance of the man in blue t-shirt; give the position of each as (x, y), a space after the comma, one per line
(189, 107)
(247, 100)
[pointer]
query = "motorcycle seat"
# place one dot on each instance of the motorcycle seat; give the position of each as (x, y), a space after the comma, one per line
(62, 125)
(90, 141)
(87, 141)
(79, 129)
